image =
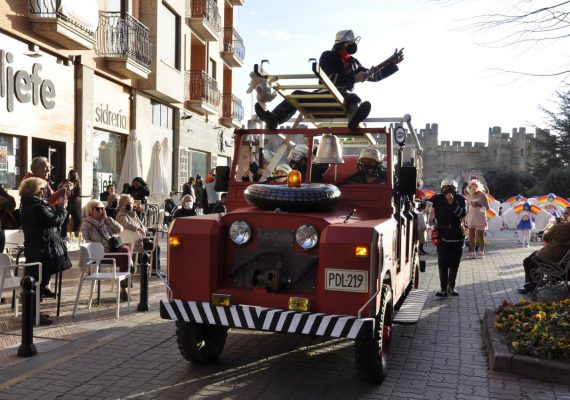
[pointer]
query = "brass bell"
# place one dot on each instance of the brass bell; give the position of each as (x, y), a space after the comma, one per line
(329, 151)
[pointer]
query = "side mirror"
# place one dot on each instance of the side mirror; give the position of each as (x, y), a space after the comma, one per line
(408, 180)
(222, 179)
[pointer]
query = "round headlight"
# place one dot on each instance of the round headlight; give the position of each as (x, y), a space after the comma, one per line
(307, 236)
(240, 232)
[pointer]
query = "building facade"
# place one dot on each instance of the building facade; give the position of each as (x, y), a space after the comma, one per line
(78, 78)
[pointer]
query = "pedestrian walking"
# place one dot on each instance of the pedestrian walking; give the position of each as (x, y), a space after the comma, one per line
(447, 212)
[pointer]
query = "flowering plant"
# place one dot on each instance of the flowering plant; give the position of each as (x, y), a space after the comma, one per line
(536, 329)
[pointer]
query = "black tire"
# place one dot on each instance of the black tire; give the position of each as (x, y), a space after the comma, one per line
(309, 197)
(199, 343)
(371, 355)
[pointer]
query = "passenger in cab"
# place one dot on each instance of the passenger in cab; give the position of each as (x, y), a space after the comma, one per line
(370, 168)
(280, 173)
(298, 158)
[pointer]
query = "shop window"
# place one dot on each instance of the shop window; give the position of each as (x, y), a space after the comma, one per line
(108, 152)
(10, 161)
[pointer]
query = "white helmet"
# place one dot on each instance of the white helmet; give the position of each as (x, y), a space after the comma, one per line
(298, 152)
(372, 153)
(346, 36)
(448, 182)
(283, 168)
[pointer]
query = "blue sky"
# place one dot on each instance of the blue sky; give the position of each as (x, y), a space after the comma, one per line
(447, 76)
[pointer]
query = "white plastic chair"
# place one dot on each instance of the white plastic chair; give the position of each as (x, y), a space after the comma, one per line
(130, 238)
(93, 260)
(9, 281)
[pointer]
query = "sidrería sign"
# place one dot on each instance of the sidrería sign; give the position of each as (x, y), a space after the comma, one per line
(23, 86)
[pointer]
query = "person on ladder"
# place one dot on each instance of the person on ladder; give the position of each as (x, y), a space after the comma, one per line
(344, 70)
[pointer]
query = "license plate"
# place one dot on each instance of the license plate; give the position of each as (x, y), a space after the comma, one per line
(347, 280)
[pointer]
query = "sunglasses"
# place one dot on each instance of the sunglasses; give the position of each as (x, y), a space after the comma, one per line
(99, 208)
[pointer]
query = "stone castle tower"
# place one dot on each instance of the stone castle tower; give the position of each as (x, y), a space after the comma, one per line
(505, 151)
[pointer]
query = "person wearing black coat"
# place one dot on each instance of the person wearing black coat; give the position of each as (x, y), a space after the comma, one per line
(201, 196)
(40, 223)
(344, 71)
(139, 191)
(187, 209)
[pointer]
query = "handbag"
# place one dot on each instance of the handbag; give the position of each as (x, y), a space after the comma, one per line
(113, 242)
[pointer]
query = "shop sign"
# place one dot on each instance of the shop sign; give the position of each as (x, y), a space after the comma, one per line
(114, 119)
(23, 86)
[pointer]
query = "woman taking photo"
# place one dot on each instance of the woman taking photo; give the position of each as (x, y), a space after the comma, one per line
(40, 223)
(98, 227)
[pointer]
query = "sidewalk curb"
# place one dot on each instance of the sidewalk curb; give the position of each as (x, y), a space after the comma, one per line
(501, 359)
(37, 364)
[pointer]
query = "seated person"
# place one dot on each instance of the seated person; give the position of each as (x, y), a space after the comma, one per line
(187, 209)
(127, 217)
(110, 189)
(557, 245)
(112, 205)
(220, 206)
(280, 173)
(369, 168)
(99, 227)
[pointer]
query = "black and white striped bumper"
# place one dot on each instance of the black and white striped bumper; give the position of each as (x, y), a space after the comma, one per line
(268, 319)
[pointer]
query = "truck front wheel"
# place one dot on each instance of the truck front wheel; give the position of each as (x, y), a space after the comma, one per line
(371, 354)
(200, 343)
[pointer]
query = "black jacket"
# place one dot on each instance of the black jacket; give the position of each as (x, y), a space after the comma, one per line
(201, 197)
(182, 212)
(139, 194)
(43, 243)
(332, 64)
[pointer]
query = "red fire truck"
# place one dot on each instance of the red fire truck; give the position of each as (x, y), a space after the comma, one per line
(317, 254)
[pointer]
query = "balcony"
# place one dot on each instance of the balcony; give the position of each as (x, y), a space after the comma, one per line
(125, 44)
(68, 23)
(202, 93)
(232, 111)
(204, 19)
(233, 52)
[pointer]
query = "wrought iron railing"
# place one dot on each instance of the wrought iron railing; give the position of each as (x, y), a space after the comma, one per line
(234, 43)
(122, 35)
(208, 10)
(200, 86)
(51, 9)
(232, 107)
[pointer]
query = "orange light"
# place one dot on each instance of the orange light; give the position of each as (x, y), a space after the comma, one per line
(174, 241)
(361, 251)
(294, 179)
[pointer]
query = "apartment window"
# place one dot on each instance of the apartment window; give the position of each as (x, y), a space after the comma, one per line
(198, 165)
(169, 37)
(162, 115)
(212, 69)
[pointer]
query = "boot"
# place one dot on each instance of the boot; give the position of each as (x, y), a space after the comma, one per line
(266, 116)
(452, 276)
(357, 115)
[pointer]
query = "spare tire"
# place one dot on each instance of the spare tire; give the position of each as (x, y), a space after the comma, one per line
(308, 197)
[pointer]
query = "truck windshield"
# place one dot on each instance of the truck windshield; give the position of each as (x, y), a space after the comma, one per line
(268, 158)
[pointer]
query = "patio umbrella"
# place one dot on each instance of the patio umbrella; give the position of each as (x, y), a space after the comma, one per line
(132, 163)
(156, 178)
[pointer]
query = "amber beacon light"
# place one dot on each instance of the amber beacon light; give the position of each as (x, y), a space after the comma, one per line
(294, 179)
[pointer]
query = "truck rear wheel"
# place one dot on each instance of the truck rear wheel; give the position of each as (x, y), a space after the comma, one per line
(371, 354)
(200, 343)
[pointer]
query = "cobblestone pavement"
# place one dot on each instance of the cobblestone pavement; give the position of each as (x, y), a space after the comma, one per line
(441, 357)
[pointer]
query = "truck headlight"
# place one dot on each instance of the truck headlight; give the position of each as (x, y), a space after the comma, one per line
(307, 237)
(240, 232)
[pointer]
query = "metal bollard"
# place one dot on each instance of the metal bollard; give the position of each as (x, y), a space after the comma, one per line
(28, 348)
(143, 301)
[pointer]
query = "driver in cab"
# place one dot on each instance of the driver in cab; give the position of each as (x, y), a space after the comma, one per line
(369, 168)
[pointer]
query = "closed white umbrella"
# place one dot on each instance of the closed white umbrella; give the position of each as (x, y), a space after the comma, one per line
(156, 177)
(132, 163)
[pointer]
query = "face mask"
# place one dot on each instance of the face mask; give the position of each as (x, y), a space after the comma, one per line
(298, 165)
(351, 48)
(73, 178)
(114, 203)
(128, 207)
(187, 205)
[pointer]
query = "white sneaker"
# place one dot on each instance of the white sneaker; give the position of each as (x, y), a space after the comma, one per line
(481, 254)
(470, 255)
